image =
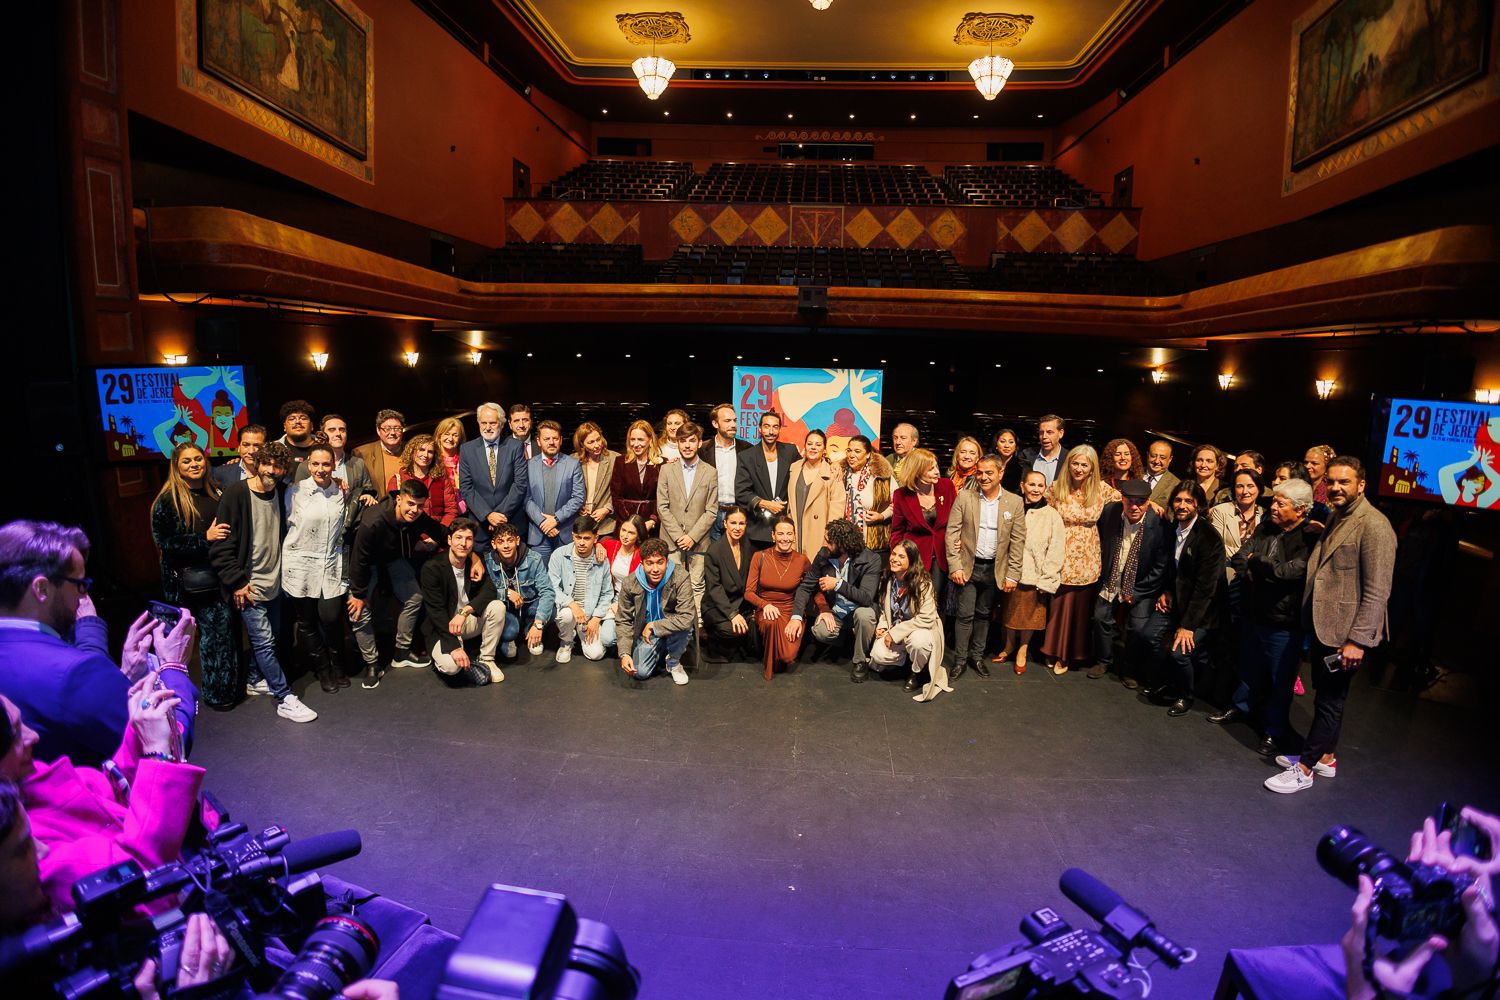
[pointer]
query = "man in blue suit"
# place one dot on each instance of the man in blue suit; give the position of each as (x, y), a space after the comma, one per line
(492, 474)
(74, 696)
(554, 492)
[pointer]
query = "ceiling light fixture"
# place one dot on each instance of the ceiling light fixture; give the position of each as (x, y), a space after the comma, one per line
(1158, 376)
(411, 358)
(654, 72)
(1325, 387)
(319, 359)
(990, 72)
(475, 357)
(1226, 379)
(1487, 395)
(820, 4)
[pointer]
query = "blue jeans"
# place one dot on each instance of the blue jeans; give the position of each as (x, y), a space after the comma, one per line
(716, 532)
(1269, 656)
(649, 653)
(260, 625)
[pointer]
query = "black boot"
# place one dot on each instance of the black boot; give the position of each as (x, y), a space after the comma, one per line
(858, 672)
(326, 680)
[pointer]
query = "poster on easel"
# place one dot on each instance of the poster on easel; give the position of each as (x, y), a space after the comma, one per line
(147, 412)
(840, 402)
(1441, 451)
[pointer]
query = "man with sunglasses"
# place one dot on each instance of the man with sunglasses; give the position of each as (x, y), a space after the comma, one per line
(74, 697)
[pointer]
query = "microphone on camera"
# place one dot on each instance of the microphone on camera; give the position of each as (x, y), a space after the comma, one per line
(305, 855)
(22, 948)
(1119, 918)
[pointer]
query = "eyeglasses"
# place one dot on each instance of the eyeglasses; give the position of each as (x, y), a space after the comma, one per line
(83, 583)
(390, 427)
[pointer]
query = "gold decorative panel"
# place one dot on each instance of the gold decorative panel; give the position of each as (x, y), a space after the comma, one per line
(992, 29)
(1074, 232)
(1117, 233)
(654, 28)
(769, 226)
(904, 228)
(729, 226)
(863, 228)
(688, 225)
(1030, 232)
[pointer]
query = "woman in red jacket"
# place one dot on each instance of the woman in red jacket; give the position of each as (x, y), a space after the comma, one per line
(919, 512)
(419, 461)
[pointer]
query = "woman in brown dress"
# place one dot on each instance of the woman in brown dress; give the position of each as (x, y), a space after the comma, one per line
(1079, 495)
(1041, 571)
(771, 585)
(632, 481)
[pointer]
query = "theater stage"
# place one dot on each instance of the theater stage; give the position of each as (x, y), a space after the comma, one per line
(814, 838)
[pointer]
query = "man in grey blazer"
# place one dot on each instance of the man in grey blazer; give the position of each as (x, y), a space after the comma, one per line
(986, 541)
(1343, 605)
(687, 493)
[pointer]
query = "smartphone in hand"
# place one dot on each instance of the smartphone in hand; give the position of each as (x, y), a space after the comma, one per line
(167, 614)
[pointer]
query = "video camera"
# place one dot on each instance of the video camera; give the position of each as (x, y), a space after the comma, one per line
(239, 879)
(1059, 960)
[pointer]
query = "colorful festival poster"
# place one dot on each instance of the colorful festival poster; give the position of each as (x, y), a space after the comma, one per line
(1442, 452)
(146, 412)
(840, 402)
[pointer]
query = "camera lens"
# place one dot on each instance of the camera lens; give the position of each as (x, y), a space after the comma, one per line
(1346, 854)
(339, 951)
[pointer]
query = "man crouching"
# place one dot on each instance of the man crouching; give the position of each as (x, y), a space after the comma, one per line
(656, 618)
(461, 611)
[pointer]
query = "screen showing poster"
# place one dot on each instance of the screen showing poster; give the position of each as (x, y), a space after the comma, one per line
(146, 412)
(1442, 452)
(841, 402)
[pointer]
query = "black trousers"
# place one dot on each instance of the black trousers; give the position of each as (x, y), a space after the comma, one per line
(971, 621)
(1330, 689)
(320, 628)
(721, 635)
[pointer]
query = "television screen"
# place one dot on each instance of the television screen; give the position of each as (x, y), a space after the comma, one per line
(1441, 451)
(146, 412)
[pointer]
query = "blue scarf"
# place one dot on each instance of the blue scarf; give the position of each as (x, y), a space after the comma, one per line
(653, 595)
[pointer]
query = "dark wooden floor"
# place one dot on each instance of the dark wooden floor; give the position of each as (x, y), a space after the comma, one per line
(812, 838)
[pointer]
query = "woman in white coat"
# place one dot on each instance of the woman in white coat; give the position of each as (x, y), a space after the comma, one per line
(1041, 571)
(907, 627)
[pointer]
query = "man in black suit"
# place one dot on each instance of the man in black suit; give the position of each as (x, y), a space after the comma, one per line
(1135, 551)
(846, 574)
(461, 614)
(1191, 601)
(236, 469)
(492, 475)
(761, 481)
(520, 431)
(722, 454)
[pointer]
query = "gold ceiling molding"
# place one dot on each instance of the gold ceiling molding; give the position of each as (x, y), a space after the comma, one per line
(992, 29)
(666, 27)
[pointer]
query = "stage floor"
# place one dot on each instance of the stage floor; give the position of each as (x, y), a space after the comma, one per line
(814, 838)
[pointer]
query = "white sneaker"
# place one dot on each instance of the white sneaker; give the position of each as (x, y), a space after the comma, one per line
(535, 650)
(565, 652)
(258, 689)
(1290, 781)
(508, 650)
(496, 674)
(1321, 769)
(292, 709)
(679, 676)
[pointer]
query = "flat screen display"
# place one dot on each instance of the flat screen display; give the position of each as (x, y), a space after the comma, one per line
(146, 412)
(1440, 451)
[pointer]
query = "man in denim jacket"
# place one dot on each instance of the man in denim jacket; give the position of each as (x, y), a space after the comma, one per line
(522, 583)
(583, 590)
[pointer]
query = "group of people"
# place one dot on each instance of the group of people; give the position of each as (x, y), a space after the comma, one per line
(693, 545)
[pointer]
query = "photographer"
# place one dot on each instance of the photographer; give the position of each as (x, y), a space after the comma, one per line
(1469, 963)
(73, 695)
(88, 819)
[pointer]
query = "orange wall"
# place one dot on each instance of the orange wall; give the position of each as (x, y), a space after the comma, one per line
(706, 145)
(430, 94)
(1207, 140)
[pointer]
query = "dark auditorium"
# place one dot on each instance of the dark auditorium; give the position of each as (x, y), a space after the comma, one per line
(920, 486)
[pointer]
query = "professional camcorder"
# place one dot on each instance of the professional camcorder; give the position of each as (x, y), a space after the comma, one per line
(1059, 960)
(246, 882)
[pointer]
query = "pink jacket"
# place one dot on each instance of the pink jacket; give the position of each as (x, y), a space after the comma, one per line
(75, 814)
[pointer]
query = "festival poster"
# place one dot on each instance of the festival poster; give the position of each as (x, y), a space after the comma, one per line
(841, 402)
(1442, 452)
(146, 412)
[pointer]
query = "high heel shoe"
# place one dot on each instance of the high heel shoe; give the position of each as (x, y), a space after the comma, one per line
(1001, 656)
(1020, 664)
(1058, 669)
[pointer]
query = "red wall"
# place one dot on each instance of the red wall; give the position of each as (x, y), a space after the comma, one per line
(1207, 140)
(430, 94)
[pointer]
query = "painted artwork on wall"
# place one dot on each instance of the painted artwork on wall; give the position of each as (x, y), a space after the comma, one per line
(1361, 64)
(305, 59)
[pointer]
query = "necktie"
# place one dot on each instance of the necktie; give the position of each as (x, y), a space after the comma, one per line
(1132, 566)
(490, 451)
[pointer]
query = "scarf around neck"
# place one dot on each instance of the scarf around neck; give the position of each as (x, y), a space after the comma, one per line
(653, 594)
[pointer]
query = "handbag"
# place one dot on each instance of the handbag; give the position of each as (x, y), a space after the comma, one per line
(197, 579)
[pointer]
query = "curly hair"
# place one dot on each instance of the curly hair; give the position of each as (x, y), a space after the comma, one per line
(845, 537)
(409, 455)
(1137, 468)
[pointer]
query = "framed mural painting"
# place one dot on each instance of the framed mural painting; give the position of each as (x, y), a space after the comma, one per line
(307, 60)
(1359, 65)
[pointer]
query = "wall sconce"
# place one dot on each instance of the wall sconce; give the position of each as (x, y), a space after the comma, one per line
(1325, 387)
(475, 357)
(1158, 376)
(174, 359)
(319, 359)
(1487, 395)
(1226, 380)
(411, 358)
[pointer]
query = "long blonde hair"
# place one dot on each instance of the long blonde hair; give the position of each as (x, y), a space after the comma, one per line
(1062, 486)
(978, 454)
(180, 494)
(653, 449)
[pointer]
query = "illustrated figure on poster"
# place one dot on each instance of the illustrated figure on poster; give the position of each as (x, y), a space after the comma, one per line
(800, 400)
(225, 413)
(179, 428)
(1472, 481)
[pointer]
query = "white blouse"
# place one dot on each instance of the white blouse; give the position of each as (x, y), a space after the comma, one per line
(312, 556)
